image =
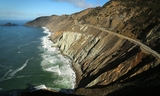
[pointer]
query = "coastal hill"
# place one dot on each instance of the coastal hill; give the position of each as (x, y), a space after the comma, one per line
(114, 48)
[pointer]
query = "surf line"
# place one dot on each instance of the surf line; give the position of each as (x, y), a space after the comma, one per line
(51, 58)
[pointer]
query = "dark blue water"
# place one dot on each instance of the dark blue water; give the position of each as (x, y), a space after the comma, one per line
(19, 22)
(27, 57)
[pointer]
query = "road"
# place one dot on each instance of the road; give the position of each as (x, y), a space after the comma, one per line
(143, 46)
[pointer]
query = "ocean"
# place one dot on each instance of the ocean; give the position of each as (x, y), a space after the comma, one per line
(28, 58)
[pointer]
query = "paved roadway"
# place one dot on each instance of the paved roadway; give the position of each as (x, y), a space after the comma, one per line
(143, 46)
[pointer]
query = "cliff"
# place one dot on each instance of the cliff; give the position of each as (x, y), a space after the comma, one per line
(114, 48)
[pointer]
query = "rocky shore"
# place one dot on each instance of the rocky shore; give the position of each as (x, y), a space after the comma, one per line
(114, 48)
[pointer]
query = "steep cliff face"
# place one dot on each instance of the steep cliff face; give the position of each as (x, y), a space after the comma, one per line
(111, 62)
(105, 59)
(136, 19)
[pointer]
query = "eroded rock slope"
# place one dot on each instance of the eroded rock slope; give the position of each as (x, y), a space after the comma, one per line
(107, 63)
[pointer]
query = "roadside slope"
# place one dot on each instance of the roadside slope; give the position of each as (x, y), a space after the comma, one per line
(136, 41)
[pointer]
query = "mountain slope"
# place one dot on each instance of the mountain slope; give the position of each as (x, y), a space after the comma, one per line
(106, 47)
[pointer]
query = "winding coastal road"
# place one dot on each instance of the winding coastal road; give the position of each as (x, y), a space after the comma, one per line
(143, 46)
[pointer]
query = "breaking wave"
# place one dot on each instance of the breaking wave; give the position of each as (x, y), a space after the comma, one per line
(56, 63)
(31, 59)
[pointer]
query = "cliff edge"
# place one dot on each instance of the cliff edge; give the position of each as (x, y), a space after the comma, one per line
(114, 48)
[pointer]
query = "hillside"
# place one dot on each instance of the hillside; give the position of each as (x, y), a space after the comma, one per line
(114, 48)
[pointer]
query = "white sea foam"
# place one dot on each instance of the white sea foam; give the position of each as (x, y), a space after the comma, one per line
(54, 69)
(26, 44)
(5, 76)
(19, 52)
(9, 74)
(40, 87)
(24, 76)
(20, 68)
(56, 63)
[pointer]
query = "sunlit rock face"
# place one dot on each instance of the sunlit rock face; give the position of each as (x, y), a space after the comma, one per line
(107, 63)
(104, 58)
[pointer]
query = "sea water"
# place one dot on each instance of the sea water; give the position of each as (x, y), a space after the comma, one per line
(28, 58)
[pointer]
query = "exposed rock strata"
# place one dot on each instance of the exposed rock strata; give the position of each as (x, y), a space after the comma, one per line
(104, 58)
(109, 64)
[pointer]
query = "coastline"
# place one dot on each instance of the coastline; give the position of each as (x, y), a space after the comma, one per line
(108, 49)
(70, 64)
(74, 66)
(78, 72)
(29, 89)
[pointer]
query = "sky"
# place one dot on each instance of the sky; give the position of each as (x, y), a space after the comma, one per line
(31, 9)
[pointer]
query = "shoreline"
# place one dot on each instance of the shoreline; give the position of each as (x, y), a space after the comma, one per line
(78, 73)
(72, 65)
(31, 88)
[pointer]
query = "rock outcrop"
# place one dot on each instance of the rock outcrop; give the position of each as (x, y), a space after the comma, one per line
(9, 24)
(106, 47)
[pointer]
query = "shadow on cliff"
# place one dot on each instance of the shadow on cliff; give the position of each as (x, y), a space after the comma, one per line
(32, 91)
(144, 84)
(46, 93)
(136, 91)
(108, 66)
